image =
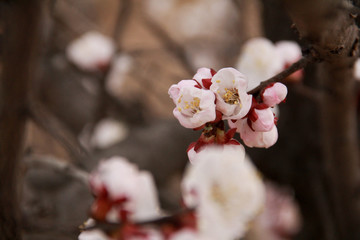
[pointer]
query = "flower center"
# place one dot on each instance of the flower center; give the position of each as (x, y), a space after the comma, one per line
(231, 96)
(218, 195)
(193, 106)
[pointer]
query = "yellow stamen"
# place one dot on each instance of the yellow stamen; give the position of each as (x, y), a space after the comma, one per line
(231, 96)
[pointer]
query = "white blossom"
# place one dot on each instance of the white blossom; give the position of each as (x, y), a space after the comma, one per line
(122, 65)
(186, 234)
(230, 86)
(93, 235)
(289, 51)
(123, 180)
(92, 51)
(225, 189)
(259, 60)
(108, 132)
(194, 106)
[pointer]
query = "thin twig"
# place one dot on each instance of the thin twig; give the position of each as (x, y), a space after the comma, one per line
(52, 125)
(169, 219)
(280, 77)
(58, 165)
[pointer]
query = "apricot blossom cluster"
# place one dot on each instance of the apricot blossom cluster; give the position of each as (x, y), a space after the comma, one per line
(211, 97)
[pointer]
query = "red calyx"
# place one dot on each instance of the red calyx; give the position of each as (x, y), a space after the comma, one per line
(212, 71)
(100, 208)
(206, 82)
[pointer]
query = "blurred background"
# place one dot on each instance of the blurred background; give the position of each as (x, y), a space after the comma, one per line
(123, 108)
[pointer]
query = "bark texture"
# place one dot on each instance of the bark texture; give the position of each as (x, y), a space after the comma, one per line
(329, 27)
(20, 34)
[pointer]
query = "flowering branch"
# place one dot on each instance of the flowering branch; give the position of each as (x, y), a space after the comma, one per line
(169, 219)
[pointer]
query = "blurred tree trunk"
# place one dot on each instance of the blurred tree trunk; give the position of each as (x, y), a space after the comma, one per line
(332, 32)
(20, 18)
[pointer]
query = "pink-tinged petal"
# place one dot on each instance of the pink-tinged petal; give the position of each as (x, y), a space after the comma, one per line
(191, 155)
(274, 94)
(265, 120)
(257, 139)
(174, 90)
(230, 85)
(195, 107)
(202, 73)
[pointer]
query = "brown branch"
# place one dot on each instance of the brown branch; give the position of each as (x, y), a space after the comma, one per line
(173, 219)
(280, 77)
(123, 15)
(21, 21)
(52, 125)
(331, 30)
(61, 166)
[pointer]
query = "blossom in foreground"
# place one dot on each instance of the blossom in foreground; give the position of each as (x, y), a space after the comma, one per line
(230, 86)
(91, 52)
(259, 60)
(225, 189)
(194, 106)
(95, 234)
(186, 234)
(123, 192)
(253, 138)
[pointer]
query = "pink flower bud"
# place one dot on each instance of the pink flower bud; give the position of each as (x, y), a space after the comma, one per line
(264, 121)
(274, 94)
(255, 139)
